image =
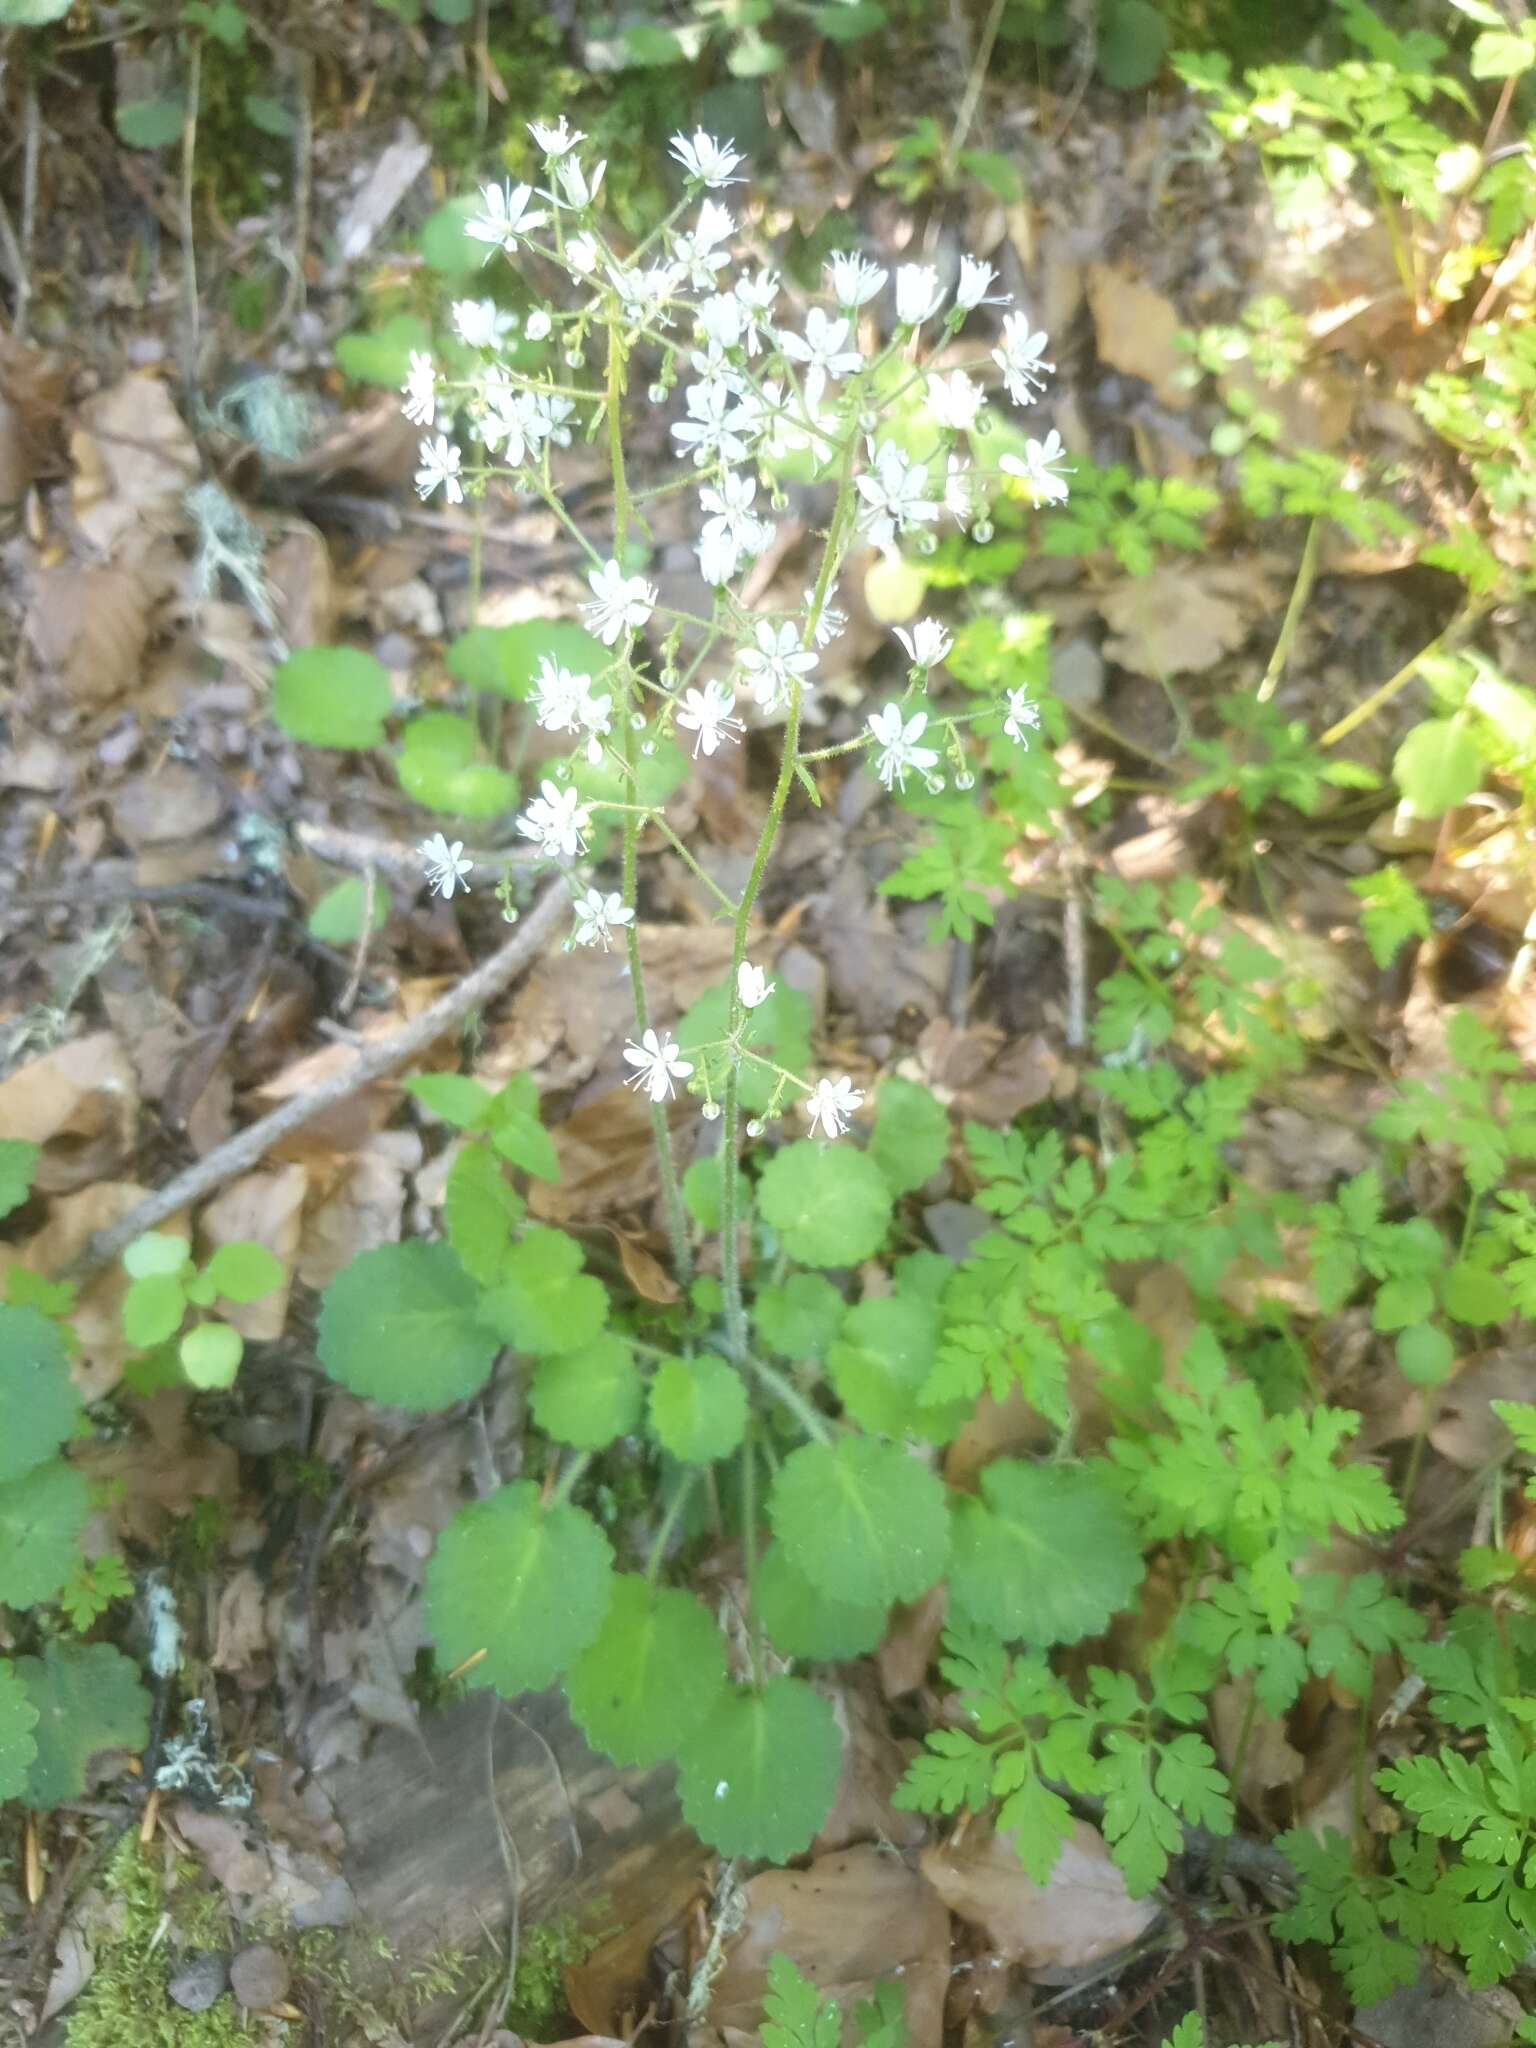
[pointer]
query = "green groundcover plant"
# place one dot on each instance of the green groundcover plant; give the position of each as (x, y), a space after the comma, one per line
(1217, 1525)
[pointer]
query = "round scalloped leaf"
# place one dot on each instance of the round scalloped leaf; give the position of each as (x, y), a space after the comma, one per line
(799, 1319)
(338, 916)
(654, 1671)
(481, 1209)
(544, 1303)
(243, 1271)
(1047, 1554)
(910, 1140)
(861, 1520)
(41, 1516)
(758, 1778)
(37, 1396)
(587, 1397)
(441, 765)
(210, 1355)
(879, 1367)
(802, 1621)
(88, 1698)
(526, 1583)
(18, 1717)
(332, 697)
(506, 659)
(399, 1324)
(829, 1204)
(698, 1409)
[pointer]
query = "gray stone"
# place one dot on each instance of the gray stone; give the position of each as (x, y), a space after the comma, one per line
(1077, 674)
(259, 1977)
(200, 1982)
(1440, 2010)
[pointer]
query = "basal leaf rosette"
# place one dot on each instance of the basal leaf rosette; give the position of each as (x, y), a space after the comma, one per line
(830, 1205)
(41, 1516)
(804, 1622)
(588, 1397)
(87, 1698)
(525, 1582)
(37, 1397)
(861, 1520)
(401, 1324)
(1046, 1554)
(654, 1672)
(758, 1778)
(698, 1409)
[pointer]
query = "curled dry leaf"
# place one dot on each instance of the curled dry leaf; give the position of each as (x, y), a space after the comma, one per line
(873, 1763)
(1136, 330)
(80, 1103)
(97, 1318)
(846, 1922)
(1082, 1915)
(134, 460)
(1182, 618)
(910, 1642)
(32, 388)
(89, 626)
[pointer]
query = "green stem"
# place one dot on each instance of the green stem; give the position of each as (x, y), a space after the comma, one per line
(730, 1254)
(661, 1130)
(1300, 591)
(188, 221)
(569, 1479)
(749, 1549)
(811, 1420)
(669, 1521)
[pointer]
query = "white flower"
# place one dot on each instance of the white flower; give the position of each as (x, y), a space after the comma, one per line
(592, 715)
(919, 294)
(927, 643)
(582, 253)
(831, 621)
(557, 140)
(734, 530)
(512, 421)
(899, 750)
(576, 188)
(1042, 468)
(420, 389)
(657, 1062)
(446, 866)
(1023, 716)
(644, 292)
(822, 349)
(597, 915)
(619, 602)
(558, 696)
(854, 281)
(773, 665)
(957, 491)
(699, 254)
(704, 158)
(504, 215)
(752, 985)
(893, 495)
(708, 712)
(539, 324)
(955, 401)
(481, 323)
(557, 818)
(758, 296)
(1022, 359)
(971, 291)
(832, 1103)
(722, 320)
(713, 424)
(439, 465)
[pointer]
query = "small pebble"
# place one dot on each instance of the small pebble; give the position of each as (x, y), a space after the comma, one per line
(259, 1977)
(200, 1982)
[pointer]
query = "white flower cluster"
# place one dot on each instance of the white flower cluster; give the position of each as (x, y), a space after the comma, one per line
(753, 385)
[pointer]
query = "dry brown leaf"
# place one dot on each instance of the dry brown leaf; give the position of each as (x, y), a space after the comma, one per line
(162, 1469)
(80, 1103)
(260, 1208)
(90, 627)
(302, 585)
(134, 460)
(172, 801)
(1083, 1914)
(362, 1207)
(32, 388)
(644, 1272)
(227, 1849)
(1136, 331)
(1269, 1758)
(851, 1919)
(986, 1076)
(97, 1315)
(1182, 618)
(607, 1159)
(910, 1641)
(873, 1764)
(240, 1628)
(1465, 1428)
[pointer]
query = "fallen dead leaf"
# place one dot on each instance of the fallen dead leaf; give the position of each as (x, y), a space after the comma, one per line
(90, 626)
(171, 802)
(1082, 1915)
(32, 387)
(873, 1764)
(134, 460)
(910, 1641)
(607, 1159)
(161, 1468)
(644, 1272)
(260, 1208)
(1269, 1758)
(849, 1920)
(80, 1103)
(227, 1849)
(240, 1628)
(1465, 1428)
(362, 1206)
(1182, 618)
(1136, 331)
(985, 1075)
(97, 1317)
(73, 1967)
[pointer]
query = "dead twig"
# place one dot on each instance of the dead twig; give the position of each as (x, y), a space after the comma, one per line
(245, 1148)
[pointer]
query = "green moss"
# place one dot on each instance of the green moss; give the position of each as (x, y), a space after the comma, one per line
(538, 1982)
(126, 2000)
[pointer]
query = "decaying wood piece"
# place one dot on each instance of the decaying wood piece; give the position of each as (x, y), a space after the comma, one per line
(494, 1815)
